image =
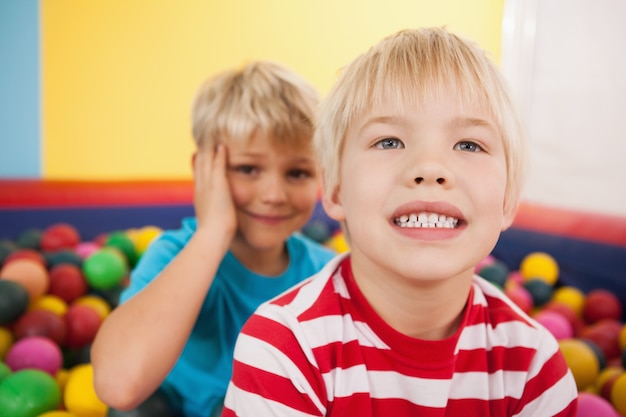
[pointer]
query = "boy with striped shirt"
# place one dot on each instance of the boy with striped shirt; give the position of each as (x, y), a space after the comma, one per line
(422, 157)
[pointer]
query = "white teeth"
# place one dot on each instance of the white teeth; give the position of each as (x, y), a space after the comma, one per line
(426, 220)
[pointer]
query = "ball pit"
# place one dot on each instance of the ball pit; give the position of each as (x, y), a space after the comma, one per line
(84, 280)
(35, 352)
(28, 393)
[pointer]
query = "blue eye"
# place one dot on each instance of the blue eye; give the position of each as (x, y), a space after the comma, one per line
(389, 143)
(468, 147)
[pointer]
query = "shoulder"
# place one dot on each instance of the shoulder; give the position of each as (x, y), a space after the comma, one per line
(159, 253)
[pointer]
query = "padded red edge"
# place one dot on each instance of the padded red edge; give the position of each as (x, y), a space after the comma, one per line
(42, 194)
(27, 194)
(594, 227)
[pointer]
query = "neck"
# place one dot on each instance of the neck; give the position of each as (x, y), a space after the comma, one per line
(270, 262)
(428, 310)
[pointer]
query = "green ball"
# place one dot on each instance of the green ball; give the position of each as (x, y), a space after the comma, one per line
(28, 393)
(496, 273)
(30, 239)
(105, 268)
(4, 371)
(121, 241)
(14, 301)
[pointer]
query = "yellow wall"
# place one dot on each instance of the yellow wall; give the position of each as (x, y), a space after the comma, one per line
(119, 75)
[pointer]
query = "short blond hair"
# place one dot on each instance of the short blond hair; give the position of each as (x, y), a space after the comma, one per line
(417, 66)
(260, 96)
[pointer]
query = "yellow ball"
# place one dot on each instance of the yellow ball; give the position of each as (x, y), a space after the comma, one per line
(6, 341)
(80, 396)
(581, 360)
(96, 303)
(57, 414)
(540, 265)
(50, 302)
(61, 377)
(571, 297)
(338, 243)
(144, 237)
(618, 394)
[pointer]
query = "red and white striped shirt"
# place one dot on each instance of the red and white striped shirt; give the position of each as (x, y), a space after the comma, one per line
(321, 350)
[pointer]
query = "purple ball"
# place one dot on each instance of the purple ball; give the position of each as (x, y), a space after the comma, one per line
(35, 352)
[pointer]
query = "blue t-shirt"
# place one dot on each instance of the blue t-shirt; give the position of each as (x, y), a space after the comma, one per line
(201, 375)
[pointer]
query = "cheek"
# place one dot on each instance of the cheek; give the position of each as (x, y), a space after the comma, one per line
(240, 192)
(305, 198)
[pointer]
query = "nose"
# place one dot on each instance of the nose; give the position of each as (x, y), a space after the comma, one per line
(274, 190)
(430, 168)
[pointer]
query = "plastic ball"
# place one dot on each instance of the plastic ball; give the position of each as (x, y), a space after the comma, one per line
(63, 256)
(601, 304)
(6, 341)
(7, 247)
(582, 361)
(571, 297)
(317, 230)
(57, 414)
(496, 273)
(30, 238)
(105, 269)
(41, 323)
(35, 352)
(84, 249)
(80, 396)
(540, 265)
(49, 302)
(556, 324)
(566, 311)
(520, 296)
(144, 236)
(67, 282)
(98, 304)
(13, 301)
(592, 405)
(618, 394)
(540, 291)
(59, 236)
(124, 244)
(487, 260)
(604, 381)
(82, 325)
(338, 243)
(29, 393)
(31, 274)
(622, 338)
(604, 333)
(4, 371)
(25, 254)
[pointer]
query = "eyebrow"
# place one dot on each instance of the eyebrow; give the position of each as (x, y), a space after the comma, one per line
(455, 122)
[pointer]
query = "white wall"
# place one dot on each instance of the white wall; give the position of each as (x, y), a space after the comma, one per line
(566, 62)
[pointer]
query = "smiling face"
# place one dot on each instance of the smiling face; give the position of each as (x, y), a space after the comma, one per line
(274, 189)
(421, 189)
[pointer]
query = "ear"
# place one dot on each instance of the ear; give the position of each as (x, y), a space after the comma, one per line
(331, 202)
(509, 216)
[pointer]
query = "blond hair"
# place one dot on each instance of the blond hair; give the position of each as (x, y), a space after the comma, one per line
(261, 96)
(415, 66)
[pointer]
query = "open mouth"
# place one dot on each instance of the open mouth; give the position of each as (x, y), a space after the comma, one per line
(426, 220)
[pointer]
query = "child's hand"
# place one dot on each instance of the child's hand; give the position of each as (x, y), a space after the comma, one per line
(215, 211)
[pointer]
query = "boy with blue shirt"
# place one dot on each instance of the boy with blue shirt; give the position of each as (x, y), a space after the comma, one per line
(255, 186)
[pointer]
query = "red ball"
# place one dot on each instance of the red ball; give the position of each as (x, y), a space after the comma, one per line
(82, 325)
(601, 304)
(605, 334)
(59, 236)
(41, 323)
(25, 254)
(67, 282)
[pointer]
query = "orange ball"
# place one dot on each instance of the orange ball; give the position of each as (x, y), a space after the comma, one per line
(618, 394)
(30, 273)
(582, 361)
(622, 338)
